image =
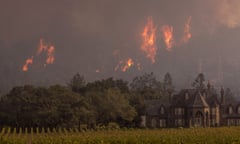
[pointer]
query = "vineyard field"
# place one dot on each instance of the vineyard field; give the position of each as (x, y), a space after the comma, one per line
(223, 135)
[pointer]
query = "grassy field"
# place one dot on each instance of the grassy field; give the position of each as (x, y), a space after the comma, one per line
(222, 135)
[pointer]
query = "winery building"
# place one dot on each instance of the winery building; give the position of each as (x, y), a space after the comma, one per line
(192, 108)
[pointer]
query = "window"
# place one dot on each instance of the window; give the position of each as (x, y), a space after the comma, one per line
(162, 110)
(179, 111)
(230, 110)
(238, 110)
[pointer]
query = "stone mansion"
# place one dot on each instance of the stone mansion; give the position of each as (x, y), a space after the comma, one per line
(192, 108)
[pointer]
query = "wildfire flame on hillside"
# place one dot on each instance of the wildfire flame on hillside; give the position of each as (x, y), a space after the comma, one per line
(187, 31)
(50, 54)
(149, 40)
(27, 62)
(128, 64)
(124, 65)
(43, 47)
(168, 36)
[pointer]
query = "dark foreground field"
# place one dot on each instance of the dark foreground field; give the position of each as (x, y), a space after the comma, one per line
(224, 135)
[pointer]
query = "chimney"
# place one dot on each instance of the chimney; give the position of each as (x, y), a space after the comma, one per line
(222, 96)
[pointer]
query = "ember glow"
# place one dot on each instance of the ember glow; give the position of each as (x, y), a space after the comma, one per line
(27, 62)
(187, 31)
(168, 36)
(149, 40)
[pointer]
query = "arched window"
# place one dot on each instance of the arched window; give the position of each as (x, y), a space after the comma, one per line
(230, 110)
(162, 110)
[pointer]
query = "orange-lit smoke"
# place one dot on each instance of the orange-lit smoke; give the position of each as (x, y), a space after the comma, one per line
(149, 40)
(168, 36)
(27, 62)
(187, 31)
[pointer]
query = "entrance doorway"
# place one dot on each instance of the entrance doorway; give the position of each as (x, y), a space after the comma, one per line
(198, 119)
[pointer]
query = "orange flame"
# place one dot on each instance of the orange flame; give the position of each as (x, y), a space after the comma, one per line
(149, 40)
(124, 65)
(168, 36)
(187, 31)
(128, 64)
(50, 54)
(42, 47)
(27, 62)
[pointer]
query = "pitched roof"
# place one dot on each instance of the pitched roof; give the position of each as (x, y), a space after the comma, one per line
(199, 101)
(195, 98)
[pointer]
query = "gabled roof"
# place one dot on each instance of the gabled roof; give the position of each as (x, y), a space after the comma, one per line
(199, 101)
(196, 98)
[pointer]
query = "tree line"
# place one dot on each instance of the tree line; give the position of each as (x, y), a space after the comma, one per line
(76, 103)
(79, 103)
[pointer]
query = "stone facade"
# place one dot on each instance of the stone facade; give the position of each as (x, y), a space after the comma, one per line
(192, 108)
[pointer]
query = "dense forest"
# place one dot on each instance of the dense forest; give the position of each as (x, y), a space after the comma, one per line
(92, 104)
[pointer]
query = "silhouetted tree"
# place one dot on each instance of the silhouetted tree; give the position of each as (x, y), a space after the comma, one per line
(77, 83)
(199, 81)
(167, 84)
(28, 106)
(148, 86)
(109, 99)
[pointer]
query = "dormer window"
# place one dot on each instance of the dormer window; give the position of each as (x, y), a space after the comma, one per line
(230, 110)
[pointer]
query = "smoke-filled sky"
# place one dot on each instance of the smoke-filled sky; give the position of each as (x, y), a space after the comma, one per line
(105, 38)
